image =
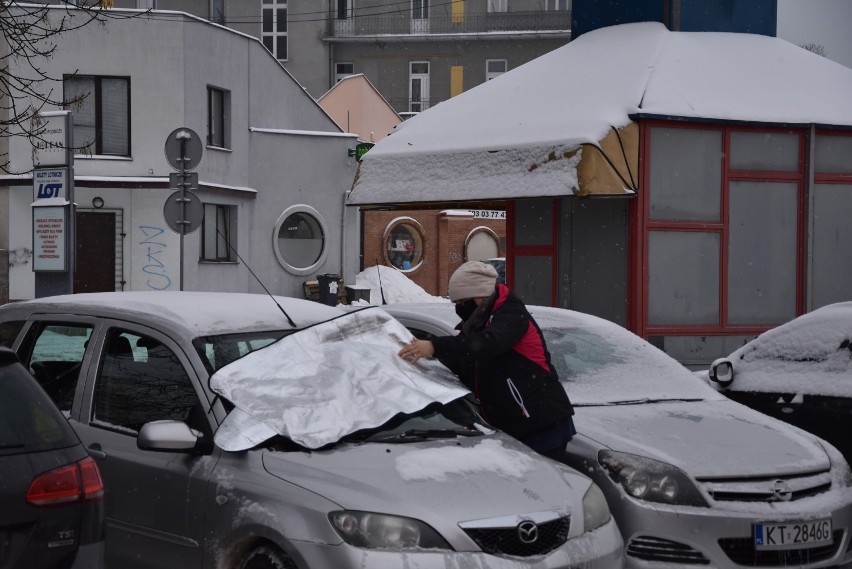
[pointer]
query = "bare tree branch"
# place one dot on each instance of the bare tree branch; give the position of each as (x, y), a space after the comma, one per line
(30, 35)
(814, 47)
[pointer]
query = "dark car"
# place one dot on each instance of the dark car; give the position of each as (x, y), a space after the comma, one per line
(51, 493)
(799, 372)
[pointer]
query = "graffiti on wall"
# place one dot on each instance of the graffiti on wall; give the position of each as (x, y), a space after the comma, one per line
(153, 253)
(20, 256)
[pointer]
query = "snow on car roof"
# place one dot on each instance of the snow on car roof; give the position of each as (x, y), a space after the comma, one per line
(198, 313)
(810, 354)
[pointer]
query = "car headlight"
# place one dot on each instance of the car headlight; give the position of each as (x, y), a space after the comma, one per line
(381, 531)
(595, 508)
(648, 479)
(840, 471)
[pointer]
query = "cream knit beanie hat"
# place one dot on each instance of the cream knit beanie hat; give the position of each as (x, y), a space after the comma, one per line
(473, 279)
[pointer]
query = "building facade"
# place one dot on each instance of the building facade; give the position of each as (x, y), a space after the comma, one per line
(271, 178)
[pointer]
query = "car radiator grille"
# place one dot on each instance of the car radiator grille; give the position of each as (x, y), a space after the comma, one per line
(767, 489)
(506, 541)
(665, 551)
(742, 552)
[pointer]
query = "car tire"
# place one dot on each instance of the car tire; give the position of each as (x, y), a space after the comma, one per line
(267, 557)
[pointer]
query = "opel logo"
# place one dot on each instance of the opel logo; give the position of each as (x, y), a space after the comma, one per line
(527, 531)
(781, 491)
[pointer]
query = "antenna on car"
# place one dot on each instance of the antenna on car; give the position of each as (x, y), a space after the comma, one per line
(290, 320)
(381, 290)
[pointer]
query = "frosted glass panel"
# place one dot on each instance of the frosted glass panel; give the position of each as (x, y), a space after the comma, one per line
(683, 277)
(534, 222)
(833, 154)
(831, 270)
(764, 151)
(533, 279)
(762, 253)
(685, 174)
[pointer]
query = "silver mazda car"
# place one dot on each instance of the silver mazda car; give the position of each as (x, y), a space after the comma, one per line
(692, 478)
(241, 431)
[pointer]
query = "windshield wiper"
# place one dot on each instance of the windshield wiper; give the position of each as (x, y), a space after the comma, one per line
(641, 401)
(425, 434)
(11, 445)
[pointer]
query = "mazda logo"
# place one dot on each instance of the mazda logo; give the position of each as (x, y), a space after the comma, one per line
(781, 491)
(527, 531)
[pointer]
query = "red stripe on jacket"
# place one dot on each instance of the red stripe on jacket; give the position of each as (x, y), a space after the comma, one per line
(531, 345)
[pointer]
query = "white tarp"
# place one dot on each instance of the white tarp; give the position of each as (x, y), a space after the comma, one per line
(323, 383)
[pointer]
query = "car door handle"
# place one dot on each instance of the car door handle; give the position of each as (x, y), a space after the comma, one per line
(96, 452)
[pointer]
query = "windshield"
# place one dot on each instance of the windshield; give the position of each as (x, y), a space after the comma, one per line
(455, 419)
(218, 351)
(604, 364)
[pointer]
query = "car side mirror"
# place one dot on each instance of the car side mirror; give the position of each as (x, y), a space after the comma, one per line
(167, 436)
(722, 372)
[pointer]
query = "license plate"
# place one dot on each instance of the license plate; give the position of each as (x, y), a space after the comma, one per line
(792, 535)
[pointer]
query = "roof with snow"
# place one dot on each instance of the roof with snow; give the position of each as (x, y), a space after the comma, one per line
(525, 132)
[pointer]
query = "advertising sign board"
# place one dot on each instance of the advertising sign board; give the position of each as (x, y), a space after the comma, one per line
(50, 183)
(49, 233)
(53, 141)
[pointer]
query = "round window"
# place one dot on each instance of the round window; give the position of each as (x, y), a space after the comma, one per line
(481, 244)
(404, 244)
(299, 239)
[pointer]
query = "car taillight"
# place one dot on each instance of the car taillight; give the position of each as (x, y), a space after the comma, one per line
(78, 482)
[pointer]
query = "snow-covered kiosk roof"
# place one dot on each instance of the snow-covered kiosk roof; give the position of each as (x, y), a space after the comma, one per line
(563, 123)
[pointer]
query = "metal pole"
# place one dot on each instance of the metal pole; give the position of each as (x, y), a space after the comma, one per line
(183, 138)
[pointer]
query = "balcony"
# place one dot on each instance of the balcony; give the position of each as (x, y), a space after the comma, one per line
(402, 24)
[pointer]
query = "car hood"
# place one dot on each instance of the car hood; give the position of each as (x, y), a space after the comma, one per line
(705, 438)
(438, 481)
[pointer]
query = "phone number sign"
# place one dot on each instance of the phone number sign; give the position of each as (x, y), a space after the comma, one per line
(488, 214)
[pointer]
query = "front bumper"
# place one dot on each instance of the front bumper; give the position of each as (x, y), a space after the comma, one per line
(657, 536)
(602, 548)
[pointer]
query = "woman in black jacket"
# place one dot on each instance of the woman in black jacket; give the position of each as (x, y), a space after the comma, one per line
(500, 354)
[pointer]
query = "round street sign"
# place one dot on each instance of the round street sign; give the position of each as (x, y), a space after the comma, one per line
(194, 212)
(192, 148)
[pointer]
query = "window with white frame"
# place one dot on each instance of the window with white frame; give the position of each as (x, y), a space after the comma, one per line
(558, 4)
(494, 67)
(418, 86)
(101, 107)
(344, 9)
(218, 240)
(498, 5)
(343, 69)
(275, 27)
(217, 11)
(218, 117)
(419, 9)
(299, 239)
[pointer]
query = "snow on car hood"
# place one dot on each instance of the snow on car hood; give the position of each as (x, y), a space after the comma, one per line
(810, 354)
(707, 438)
(327, 381)
(459, 479)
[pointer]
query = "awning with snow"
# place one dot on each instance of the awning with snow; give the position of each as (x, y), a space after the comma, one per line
(564, 123)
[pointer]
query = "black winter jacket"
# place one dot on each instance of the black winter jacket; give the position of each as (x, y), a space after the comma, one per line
(506, 364)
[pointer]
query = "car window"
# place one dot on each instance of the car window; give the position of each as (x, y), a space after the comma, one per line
(421, 334)
(140, 379)
(218, 351)
(579, 352)
(9, 331)
(29, 422)
(55, 356)
(604, 364)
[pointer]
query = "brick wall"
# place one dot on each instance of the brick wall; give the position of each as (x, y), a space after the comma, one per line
(443, 242)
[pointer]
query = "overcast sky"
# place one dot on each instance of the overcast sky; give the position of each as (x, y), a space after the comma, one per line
(825, 22)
